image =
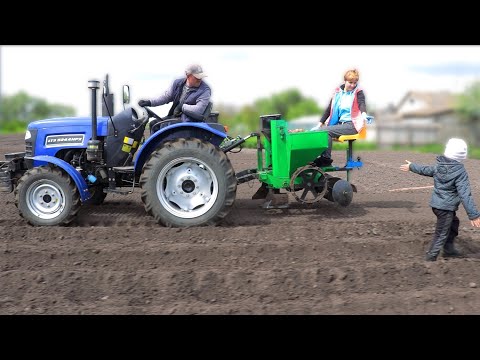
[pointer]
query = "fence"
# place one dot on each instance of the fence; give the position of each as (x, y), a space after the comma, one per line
(391, 134)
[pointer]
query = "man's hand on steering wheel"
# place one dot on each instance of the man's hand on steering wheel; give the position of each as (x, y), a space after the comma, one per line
(144, 103)
(178, 110)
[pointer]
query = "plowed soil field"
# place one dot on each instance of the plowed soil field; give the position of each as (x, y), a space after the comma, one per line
(367, 258)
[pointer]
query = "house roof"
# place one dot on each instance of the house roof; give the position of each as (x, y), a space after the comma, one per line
(436, 103)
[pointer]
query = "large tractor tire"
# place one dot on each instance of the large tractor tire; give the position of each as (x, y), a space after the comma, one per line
(47, 196)
(188, 182)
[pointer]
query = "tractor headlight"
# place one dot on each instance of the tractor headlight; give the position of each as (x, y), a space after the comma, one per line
(28, 135)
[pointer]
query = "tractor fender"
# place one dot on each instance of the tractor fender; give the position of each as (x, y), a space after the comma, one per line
(69, 169)
(172, 132)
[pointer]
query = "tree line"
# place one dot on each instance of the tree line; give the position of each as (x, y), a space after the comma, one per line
(17, 110)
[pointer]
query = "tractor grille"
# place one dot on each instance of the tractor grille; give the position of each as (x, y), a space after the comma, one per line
(30, 143)
(28, 148)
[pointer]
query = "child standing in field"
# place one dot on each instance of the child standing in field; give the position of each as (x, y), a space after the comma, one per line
(451, 187)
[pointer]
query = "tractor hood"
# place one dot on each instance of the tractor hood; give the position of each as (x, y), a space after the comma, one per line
(70, 125)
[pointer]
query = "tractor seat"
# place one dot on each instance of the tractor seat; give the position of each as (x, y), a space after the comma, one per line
(361, 135)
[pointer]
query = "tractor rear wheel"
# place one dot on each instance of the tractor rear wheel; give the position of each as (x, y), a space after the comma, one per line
(47, 196)
(188, 182)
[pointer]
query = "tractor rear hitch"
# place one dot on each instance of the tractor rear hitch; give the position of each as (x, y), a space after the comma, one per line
(233, 143)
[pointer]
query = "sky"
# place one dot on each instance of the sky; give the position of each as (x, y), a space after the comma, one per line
(237, 74)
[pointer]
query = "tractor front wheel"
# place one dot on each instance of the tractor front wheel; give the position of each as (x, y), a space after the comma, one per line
(46, 196)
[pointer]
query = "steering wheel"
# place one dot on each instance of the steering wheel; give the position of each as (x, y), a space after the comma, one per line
(152, 114)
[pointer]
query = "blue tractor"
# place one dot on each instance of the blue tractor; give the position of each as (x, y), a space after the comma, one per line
(186, 179)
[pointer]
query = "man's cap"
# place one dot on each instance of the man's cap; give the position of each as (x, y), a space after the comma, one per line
(456, 149)
(196, 70)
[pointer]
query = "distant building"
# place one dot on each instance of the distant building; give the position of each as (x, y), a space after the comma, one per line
(420, 118)
(422, 108)
(304, 122)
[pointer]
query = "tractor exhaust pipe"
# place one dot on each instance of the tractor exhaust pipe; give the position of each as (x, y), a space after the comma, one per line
(94, 86)
(94, 147)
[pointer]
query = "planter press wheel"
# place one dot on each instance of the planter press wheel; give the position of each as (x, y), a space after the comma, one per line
(342, 193)
(313, 186)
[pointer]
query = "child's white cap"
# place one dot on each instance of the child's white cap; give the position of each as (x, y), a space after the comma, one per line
(456, 149)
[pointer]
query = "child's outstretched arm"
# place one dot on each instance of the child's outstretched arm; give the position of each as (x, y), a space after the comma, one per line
(405, 167)
(424, 170)
(476, 222)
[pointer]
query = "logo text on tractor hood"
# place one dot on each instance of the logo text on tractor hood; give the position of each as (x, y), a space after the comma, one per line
(61, 140)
